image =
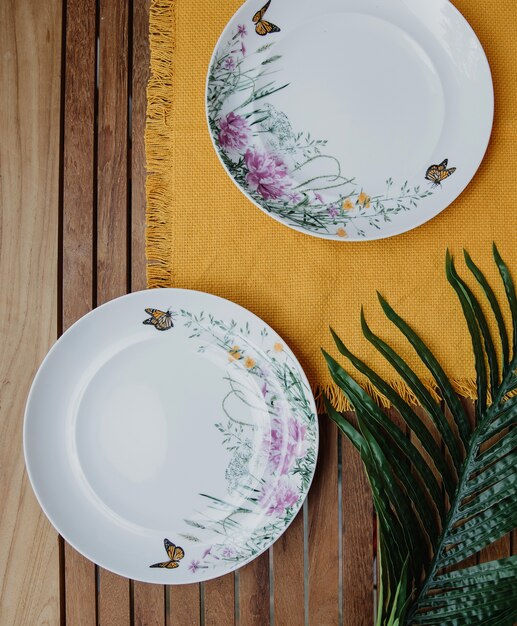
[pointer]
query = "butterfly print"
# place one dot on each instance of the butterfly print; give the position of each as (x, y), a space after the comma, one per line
(262, 27)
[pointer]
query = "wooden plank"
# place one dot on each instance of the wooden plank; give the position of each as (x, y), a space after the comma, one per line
(357, 537)
(254, 592)
(112, 262)
(323, 531)
(184, 605)
(219, 595)
(113, 600)
(30, 67)
(77, 240)
(148, 604)
(141, 56)
(80, 589)
(78, 160)
(112, 211)
(289, 585)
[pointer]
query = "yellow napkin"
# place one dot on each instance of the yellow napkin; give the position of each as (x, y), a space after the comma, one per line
(204, 234)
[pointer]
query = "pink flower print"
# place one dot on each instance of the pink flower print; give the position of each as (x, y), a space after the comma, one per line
(288, 460)
(241, 30)
(279, 497)
(333, 211)
(273, 439)
(267, 174)
(284, 444)
(297, 432)
(294, 197)
(277, 430)
(264, 390)
(280, 451)
(207, 552)
(229, 64)
(319, 197)
(282, 462)
(194, 566)
(243, 49)
(234, 133)
(228, 552)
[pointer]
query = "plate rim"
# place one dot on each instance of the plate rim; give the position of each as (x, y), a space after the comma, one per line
(375, 236)
(101, 562)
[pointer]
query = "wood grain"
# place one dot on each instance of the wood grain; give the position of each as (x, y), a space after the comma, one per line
(357, 537)
(80, 589)
(30, 70)
(220, 601)
(78, 160)
(112, 210)
(113, 601)
(184, 605)
(140, 77)
(254, 601)
(288, 565)
(324, 532)
(77, 240)
(148, 604)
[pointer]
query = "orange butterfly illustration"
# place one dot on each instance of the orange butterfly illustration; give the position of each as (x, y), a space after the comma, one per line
(175, 554)
(262, 27)
(438, 173)
(161, 320)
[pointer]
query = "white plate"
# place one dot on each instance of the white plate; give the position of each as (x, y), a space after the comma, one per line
(357, 119)
(198, 431)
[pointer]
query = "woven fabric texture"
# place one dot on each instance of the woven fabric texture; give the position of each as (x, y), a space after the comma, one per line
(204, 234)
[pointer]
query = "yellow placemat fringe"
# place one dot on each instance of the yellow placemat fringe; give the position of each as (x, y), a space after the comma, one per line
(159, 133)
(464, 388)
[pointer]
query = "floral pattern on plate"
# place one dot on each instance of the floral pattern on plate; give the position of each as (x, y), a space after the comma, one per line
(270, 465)
(268, 158)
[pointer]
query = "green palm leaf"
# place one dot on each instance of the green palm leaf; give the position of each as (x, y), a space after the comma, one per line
(426, 533)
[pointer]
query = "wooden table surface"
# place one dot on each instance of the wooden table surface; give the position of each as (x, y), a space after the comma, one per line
(72, 192)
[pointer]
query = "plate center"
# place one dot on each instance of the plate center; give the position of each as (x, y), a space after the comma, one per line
(367, 87)
(146, 434)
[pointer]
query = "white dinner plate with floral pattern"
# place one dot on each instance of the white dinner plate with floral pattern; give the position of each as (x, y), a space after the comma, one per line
(170, 436)
(350, 119)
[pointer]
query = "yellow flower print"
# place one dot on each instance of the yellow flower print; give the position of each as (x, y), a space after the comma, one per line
(235, 354)
(348, 205)
(341, 232)
(364, 199)
(278, 347)
(249, 362)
